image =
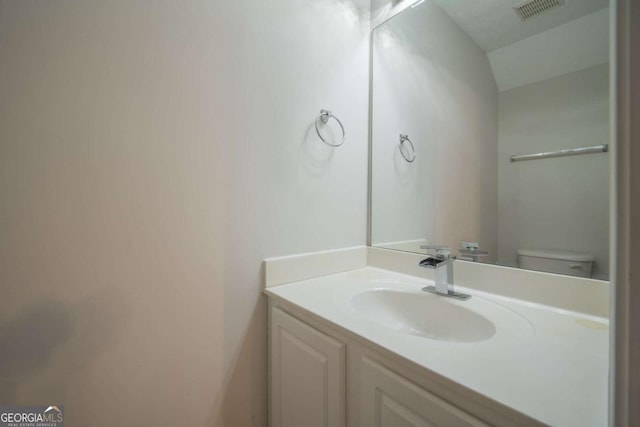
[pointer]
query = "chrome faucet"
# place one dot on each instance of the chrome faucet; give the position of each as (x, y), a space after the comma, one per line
(442, 263)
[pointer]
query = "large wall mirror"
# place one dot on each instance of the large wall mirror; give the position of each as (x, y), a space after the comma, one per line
(460, 87)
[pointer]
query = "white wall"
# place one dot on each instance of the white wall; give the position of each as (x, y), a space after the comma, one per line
(432, 82)
(151, 155)
(559, 203)
(382, 10)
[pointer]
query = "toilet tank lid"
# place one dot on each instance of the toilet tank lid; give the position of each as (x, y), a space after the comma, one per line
(560, 255)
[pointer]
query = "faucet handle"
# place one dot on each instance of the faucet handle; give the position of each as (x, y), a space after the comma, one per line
(474, 252)
(435, 247)
(440, 250)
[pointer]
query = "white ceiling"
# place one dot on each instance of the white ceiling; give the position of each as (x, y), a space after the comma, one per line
(573, 46)
(493, 24)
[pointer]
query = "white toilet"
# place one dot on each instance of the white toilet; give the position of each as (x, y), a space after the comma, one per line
(561, 262)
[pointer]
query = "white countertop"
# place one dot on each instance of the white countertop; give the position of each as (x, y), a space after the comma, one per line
(549, 364)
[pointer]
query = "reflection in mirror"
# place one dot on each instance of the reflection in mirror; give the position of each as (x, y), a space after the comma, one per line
(471, 84)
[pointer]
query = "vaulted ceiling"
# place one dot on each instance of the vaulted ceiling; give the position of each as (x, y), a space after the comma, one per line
(493, 24)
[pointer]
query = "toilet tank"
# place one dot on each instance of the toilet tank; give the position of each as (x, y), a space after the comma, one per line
(561, 262)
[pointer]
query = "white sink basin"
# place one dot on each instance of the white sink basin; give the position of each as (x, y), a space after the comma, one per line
(424, 314)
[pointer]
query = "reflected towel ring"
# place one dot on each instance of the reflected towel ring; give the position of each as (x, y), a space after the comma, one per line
(409, 157)
(324, 117)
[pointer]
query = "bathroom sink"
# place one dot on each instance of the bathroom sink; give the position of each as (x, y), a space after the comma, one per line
(425, 315)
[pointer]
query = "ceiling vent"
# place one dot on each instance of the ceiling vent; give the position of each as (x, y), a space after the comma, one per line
(531, 8)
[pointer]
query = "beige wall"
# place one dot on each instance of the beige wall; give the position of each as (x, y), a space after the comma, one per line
(152, 153)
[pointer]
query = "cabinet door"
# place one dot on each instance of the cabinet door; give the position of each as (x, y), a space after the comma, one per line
(307, 375)
(389, 400)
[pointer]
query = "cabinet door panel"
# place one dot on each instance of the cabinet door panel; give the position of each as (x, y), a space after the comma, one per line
(307, 375)
(389, 400)
(394, 413)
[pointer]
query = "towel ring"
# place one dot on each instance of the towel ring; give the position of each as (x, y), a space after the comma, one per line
(401, 147)
(324, 117)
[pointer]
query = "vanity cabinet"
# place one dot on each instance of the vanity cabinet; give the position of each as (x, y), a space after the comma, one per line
(307, 375)
(321, 377)
(387, 399)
